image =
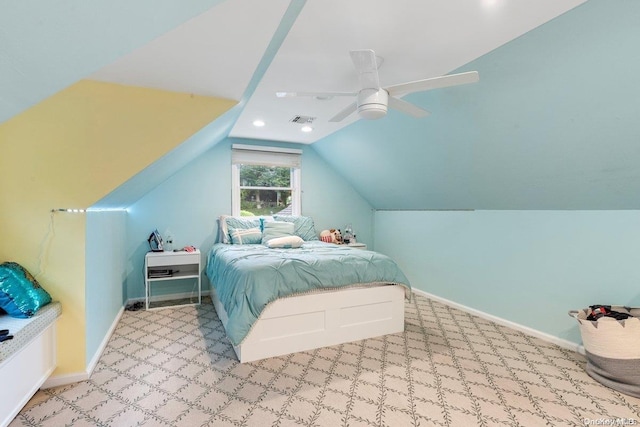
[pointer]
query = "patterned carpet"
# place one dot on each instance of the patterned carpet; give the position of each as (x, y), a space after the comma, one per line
(174, 367)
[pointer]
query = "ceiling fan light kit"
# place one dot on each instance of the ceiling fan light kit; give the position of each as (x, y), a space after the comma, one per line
(372, 103)
(373, 100)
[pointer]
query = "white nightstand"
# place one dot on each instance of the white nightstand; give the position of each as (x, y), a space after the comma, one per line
(164, 266)
(357, 245)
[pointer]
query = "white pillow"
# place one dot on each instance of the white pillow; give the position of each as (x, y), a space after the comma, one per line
(273, 229)
(285, 242)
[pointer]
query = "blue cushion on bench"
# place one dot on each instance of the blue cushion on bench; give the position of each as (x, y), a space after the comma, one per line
(20, 293)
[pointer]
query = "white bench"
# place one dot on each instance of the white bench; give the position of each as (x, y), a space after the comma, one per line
(27, 360)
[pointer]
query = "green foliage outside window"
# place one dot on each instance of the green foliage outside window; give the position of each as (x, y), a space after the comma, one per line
(264, 190)
(264, 176)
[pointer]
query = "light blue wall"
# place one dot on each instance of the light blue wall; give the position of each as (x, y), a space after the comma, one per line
(189, 203)
(331, 200)
(529, 267)
(552, 124)
(105, 274)
(547, 143)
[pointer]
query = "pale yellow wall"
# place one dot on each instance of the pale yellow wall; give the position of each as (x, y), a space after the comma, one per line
(70, 151)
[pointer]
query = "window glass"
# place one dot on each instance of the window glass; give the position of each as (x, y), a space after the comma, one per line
(265, 190)
(264, 176)
(265, 181)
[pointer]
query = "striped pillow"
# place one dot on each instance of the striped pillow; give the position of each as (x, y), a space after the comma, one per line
(229, 224)
(245, 236)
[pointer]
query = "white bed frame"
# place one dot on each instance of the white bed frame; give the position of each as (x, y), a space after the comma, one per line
(316, 320)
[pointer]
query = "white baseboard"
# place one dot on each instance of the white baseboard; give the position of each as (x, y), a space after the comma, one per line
(566, 344)
(94, 361)
(167, 297)
(59, 380)
(66, 379)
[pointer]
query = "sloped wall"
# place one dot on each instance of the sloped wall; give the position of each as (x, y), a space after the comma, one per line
(68, 152)
(552, 124)
(48, 46)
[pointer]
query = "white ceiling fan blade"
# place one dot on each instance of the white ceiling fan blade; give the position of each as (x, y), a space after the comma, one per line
(365, 62)
(314, 94)
(407, 107)
(351, 108)
(433, 83)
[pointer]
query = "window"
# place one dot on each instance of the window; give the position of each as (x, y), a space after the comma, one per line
(266, 180)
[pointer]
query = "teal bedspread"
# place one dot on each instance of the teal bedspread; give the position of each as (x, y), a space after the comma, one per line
(248, 277)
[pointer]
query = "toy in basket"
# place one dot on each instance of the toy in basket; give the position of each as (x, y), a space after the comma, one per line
(611, 339)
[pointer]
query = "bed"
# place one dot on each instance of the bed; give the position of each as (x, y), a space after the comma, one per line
(275, 301)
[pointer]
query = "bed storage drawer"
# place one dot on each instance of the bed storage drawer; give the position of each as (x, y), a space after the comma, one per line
(323, 319)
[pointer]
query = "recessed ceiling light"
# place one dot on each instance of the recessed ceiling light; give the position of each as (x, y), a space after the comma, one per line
(306, 128)
(258, 123)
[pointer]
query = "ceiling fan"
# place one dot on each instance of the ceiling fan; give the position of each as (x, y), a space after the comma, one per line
(372, 99)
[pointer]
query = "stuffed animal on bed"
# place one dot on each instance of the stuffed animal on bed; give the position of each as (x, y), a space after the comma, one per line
(331, 236)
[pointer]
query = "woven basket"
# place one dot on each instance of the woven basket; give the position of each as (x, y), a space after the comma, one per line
(612, 348)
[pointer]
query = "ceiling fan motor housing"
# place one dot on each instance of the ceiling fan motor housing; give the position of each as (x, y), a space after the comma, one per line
(372, 103)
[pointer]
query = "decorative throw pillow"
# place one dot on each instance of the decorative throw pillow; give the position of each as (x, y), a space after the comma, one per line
(273, 229)
(304, 226)
(20, 293)
(245, 236)
(286, 242)
(230, 223)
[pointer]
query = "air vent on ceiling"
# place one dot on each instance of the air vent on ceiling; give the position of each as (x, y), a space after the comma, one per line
(302, 120)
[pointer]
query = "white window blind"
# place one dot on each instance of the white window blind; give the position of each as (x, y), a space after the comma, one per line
(265, 156)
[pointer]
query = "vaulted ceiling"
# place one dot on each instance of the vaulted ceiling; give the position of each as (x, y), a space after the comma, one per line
(219, 50)
(550, 125)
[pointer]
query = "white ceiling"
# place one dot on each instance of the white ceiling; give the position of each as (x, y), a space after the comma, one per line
(218, 53)
(213, 54)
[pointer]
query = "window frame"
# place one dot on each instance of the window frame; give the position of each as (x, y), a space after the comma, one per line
(262, 155)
